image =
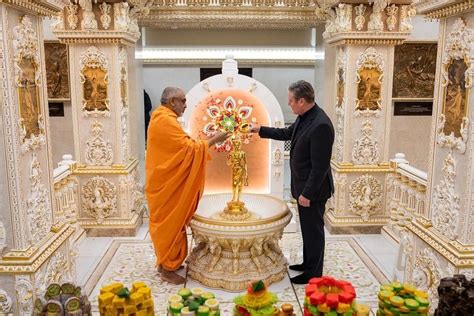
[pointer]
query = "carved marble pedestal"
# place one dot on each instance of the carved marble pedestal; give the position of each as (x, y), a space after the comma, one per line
(229, 254)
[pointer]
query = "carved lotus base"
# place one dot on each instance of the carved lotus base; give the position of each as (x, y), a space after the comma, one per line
(228, 253)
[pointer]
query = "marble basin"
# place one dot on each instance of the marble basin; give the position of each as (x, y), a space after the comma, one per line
(230, 253)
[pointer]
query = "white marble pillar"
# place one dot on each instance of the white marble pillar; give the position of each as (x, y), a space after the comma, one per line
(440, 242)
(35, 244)
(362, 37)
(105, 101)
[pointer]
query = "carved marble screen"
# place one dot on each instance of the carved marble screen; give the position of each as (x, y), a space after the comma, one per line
(57, 72)
(455, 97)
(414, 70)
(28, 94)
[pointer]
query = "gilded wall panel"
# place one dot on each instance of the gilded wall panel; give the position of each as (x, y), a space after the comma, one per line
(455, 97)
(57, 72)
(414, 70)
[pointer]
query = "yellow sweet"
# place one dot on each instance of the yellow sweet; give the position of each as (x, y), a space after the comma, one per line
(362, 310)
(118, 302)
(137, 285)
(421, 294)
(130, 309)
(142, 312)
(136, 298)
(112, 288)
(147, 303)
(324, 308)
(105, 299)
(146, 291)
(342, 308)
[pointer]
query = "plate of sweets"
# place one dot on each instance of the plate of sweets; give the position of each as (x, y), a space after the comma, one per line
(402, 299)
(327, 296)
(193, 302)
(258, 301)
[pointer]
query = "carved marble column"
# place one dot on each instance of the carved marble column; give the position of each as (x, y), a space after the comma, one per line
(360, 91)
(101, 38)
(35, 243)
(440, 242)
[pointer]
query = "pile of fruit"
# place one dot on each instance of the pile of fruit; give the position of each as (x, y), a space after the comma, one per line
(115, 299)
(258, 301)
(397, 299)
(330, 297)
(194, 302)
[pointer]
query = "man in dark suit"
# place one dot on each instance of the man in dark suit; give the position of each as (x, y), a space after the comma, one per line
(312, 136)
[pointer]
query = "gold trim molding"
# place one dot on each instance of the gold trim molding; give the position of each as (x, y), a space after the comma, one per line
(347, 167)
(373, 220)
(365, 38)
(113, 223)
(457, 254)
(242, 62)
(30, 260)
(79, 169)
(96, 37)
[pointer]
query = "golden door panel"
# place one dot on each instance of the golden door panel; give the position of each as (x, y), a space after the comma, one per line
(414, 70)
(455, 97)
(95, 89)
(57, 72)
(28, 95)
(340, 87)
(369, 89)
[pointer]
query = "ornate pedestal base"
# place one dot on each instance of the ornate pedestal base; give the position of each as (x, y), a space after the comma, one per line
(231, 253)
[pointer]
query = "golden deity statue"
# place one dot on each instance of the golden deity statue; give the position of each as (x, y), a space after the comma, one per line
(238, 161)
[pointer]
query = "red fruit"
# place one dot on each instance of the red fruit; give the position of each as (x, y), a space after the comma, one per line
(346, 297)
(250, 288)
(306, 312)
(317, 298)
(310, 289)
(329, 281)
(349, 289)
(316, 281)
(243, 311)
(332, 300)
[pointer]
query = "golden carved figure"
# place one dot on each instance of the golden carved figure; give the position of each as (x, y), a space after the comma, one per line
(368, 89)
(95, 89)
(455, 100)
(340, 86)
(238, 162)
(28, 97)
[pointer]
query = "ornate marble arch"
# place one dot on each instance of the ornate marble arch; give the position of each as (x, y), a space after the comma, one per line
(457, 74)
(95, 79)
(370, 71)
(28, 81)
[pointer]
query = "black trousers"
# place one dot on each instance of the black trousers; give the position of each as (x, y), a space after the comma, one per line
(312, 230)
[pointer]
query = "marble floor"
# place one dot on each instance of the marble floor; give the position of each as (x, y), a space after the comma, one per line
(365, 260)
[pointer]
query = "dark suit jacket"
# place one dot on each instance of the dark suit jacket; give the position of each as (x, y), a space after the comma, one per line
(312, 136)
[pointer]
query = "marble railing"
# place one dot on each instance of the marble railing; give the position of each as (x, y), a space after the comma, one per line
(235, 3)
(66, 194)
(406, 192)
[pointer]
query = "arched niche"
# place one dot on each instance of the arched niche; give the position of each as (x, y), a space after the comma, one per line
(264, 157)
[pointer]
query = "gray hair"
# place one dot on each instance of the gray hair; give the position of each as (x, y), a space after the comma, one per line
(168, 93)
(302, 89)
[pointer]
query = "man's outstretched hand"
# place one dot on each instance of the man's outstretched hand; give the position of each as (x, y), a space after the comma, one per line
(219, 137)
(254, 128)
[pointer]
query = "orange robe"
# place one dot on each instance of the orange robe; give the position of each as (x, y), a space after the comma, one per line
(175, 173)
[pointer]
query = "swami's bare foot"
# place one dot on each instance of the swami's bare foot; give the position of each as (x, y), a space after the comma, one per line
(161, 269)
(171, 277)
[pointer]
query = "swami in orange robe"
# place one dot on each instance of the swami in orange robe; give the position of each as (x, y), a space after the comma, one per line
(175, 173)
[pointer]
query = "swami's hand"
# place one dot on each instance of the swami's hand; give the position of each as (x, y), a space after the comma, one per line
(219, 137)
(303, 201)
(254, 128)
